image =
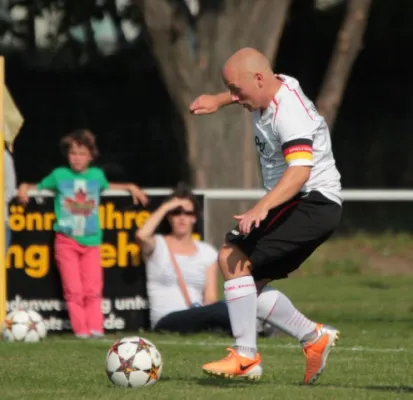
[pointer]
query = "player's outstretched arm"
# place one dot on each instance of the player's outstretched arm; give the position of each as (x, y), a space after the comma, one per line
(210, 103)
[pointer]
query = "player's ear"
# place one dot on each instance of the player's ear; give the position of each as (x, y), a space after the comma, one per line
(259, 78)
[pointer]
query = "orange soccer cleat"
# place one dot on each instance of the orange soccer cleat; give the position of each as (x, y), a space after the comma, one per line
(235, 365)
(316, 352)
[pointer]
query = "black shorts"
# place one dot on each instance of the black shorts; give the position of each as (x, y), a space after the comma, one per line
(288, 236)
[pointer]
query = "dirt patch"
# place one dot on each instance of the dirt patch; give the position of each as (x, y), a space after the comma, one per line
(391, 265)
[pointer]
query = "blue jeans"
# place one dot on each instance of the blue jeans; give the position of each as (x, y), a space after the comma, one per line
(213, 317)
(7, 235)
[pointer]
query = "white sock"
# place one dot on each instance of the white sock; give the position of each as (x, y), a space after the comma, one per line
(241, 297)
(275, 308)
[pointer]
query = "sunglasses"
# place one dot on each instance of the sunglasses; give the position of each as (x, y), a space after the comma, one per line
(181, 211)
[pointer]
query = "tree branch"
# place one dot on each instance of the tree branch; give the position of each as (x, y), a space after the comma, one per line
(348, 46)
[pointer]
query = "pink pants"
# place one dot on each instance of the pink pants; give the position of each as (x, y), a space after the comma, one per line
(82, 281)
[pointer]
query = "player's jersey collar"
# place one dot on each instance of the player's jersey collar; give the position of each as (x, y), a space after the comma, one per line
(263, 116)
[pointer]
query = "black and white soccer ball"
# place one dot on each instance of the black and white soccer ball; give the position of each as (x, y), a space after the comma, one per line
(133, 362)
(23, 326)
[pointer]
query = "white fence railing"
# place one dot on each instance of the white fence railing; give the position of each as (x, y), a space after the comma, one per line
(214, 224)
(252, 194)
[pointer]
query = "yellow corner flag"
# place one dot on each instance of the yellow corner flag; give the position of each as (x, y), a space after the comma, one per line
(11, 122)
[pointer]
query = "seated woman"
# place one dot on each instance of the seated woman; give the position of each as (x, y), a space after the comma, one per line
(182, 273)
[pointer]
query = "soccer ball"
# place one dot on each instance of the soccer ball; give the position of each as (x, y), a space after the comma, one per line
(133, 362)
(23, 326)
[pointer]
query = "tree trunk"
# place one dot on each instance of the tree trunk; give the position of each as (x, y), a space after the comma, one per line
(190, 57)
(222, 141)
(348, 46)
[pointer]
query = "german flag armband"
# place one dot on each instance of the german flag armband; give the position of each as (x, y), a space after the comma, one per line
(298, 152)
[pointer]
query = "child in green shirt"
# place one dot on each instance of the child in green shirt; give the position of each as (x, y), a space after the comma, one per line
(77, 191)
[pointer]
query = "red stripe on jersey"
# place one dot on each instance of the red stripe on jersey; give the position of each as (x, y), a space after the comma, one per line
(298, 148)
(276, 109)
(299, 99)
(281, 212)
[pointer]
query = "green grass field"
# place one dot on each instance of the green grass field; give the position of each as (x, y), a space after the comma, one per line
(373, 360)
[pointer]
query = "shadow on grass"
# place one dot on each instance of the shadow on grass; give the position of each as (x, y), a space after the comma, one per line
(380, 388)
(216, 382)
(232, 383)
(388, 388)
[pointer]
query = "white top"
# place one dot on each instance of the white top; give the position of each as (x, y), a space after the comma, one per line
(164, 293)
(9, 182)
(291, 132)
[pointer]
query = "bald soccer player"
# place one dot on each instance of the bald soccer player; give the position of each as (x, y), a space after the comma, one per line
(301, 209)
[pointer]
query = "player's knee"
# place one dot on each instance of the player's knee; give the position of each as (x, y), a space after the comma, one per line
(223, 257)
(261, 285)
(266, 302)
(233, 262)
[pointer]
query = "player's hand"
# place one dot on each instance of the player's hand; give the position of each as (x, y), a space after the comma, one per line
(204, 104)
(251, 218)
(138, 195)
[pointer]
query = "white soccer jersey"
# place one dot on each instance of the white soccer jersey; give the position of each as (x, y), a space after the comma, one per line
(290, 132)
